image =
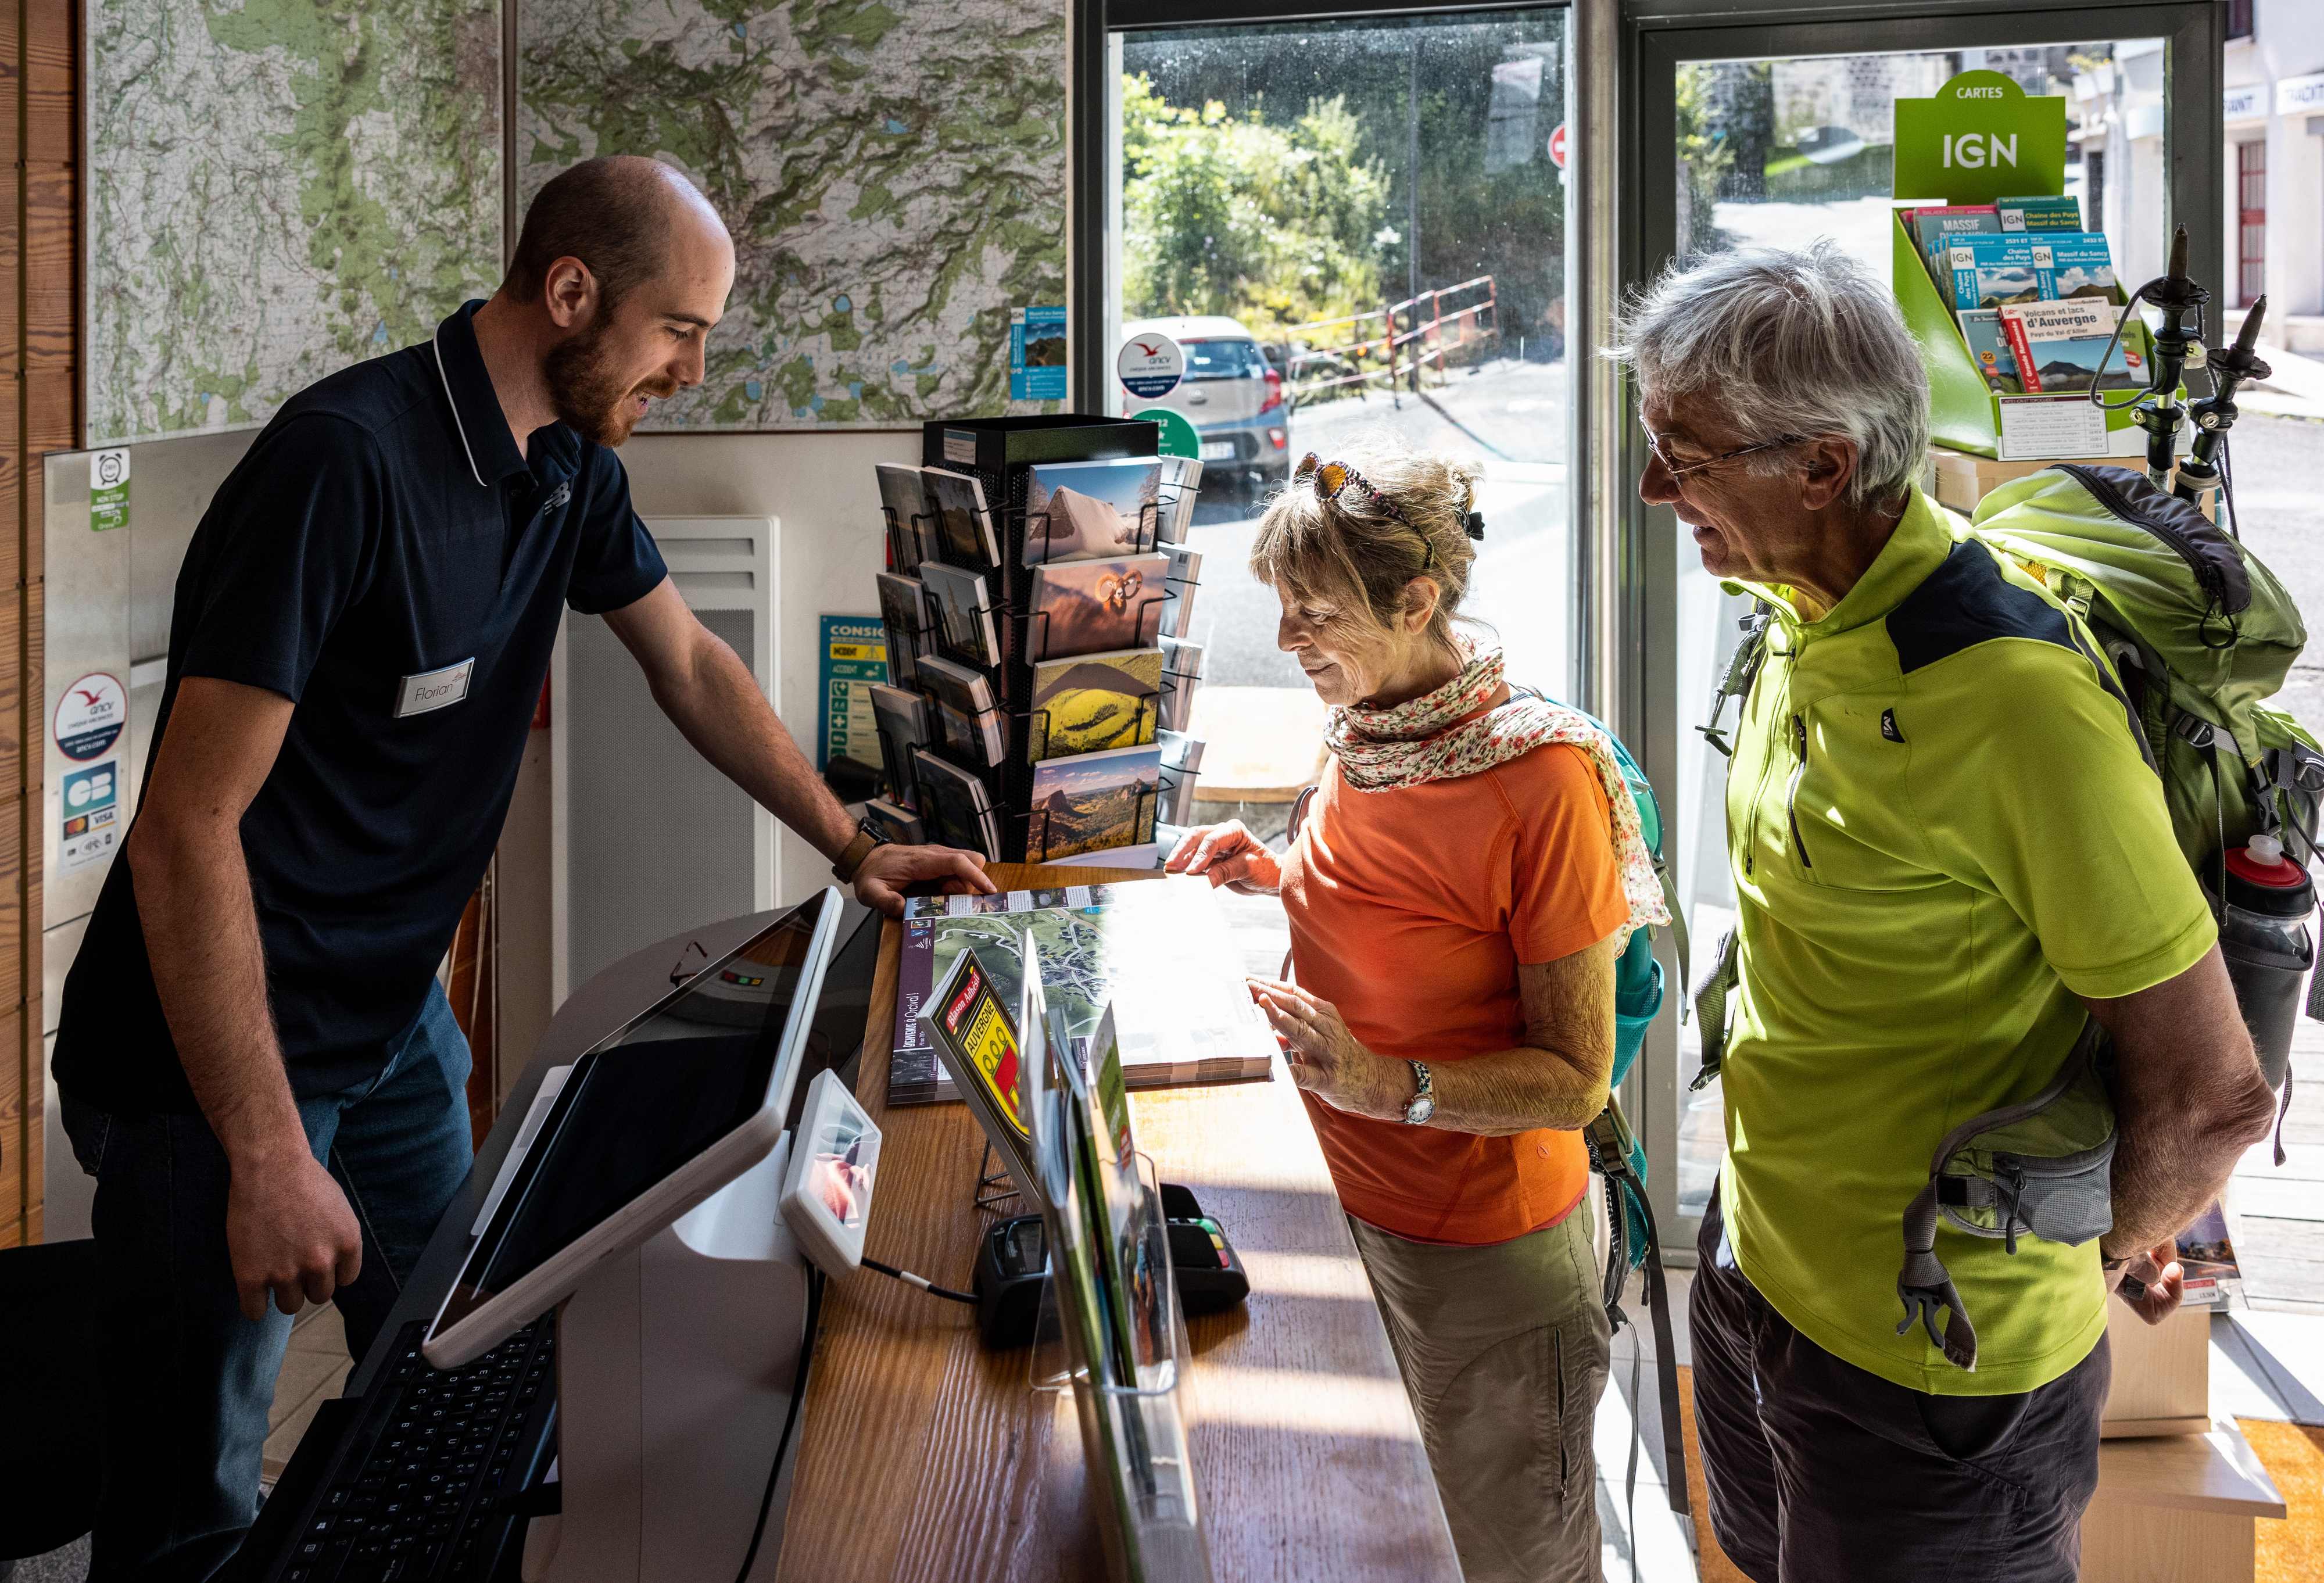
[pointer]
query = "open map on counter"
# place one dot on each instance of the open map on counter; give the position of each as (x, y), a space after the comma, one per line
(1159, 950)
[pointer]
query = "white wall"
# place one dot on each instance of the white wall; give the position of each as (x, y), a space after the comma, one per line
(820, 489)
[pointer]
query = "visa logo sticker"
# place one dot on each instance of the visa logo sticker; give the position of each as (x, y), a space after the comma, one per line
(434, 689)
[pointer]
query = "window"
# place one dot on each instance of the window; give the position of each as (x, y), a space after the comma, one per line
(2239, 19)
(1369, 216)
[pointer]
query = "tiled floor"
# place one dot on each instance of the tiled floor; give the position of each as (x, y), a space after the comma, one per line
(314, 1370)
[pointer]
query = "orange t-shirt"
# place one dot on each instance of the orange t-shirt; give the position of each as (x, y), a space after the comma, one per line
(1410, 910)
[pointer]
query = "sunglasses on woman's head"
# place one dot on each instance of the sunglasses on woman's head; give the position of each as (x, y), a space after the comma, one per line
(1333, 479)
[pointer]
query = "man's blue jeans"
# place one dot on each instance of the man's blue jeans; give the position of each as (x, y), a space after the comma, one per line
(188, 1379)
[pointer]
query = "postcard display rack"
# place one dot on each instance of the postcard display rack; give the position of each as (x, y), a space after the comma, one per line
(1034, 616)
(1986, 164)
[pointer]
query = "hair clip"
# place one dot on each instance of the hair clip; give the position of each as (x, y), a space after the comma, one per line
(1476, 524)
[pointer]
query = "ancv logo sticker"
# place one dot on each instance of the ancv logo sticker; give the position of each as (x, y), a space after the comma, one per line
(90, 715)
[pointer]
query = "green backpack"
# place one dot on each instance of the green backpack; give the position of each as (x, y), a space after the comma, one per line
(2197, 633)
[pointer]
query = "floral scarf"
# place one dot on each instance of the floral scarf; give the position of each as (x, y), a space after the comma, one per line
(1425, 740)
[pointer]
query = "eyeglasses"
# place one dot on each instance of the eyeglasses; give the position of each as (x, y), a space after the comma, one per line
(1677, 469)
(1334, 479)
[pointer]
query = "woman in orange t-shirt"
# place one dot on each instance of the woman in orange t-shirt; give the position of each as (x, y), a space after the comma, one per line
(1458, 893)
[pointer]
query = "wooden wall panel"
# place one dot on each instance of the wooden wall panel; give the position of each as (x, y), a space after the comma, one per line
(39, 371)
(51, 78)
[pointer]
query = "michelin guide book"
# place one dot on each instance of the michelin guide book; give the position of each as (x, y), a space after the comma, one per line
(1159, 950)
(1092, 702)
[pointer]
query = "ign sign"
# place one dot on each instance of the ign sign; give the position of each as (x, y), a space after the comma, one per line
(1973, 151)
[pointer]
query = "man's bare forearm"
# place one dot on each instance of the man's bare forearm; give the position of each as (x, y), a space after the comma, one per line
(209, 968)
(716, 706)
(2189, 1101)
(2171, 1161)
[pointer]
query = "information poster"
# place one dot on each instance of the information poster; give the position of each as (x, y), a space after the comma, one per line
(854, 657)
(1037, 355)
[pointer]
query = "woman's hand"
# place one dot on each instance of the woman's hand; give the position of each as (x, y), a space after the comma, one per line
(1228, 855)
(1327, 1060)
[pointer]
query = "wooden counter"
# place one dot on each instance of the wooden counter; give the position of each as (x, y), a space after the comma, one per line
(924, 1459)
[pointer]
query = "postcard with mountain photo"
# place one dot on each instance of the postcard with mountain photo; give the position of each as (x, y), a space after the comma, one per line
(1085, 510)
(956, 500)
(1093, 801)
(963, 610)
(905, 610)
(1088, 607)
(1093, 702)
(957, 805)
(952, 683)
(1182, 480)
(906, 502)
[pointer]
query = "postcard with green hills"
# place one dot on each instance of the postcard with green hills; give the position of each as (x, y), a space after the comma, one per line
(1092, 702)
(1093, 801)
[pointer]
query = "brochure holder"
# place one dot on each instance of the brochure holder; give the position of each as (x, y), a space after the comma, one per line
(1988, 111)
(907, 541)
(1178, 698)
(1000, 453)
(1133, 1437)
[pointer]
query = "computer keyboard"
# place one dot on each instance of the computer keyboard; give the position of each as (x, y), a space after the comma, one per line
(423, 1479)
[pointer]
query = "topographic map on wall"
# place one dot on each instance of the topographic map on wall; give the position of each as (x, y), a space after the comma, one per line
(894, 176)
(279, 189)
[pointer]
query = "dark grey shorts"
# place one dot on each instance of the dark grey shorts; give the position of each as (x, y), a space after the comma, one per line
(1820, 1472)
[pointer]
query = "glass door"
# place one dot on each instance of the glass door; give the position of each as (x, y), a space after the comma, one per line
(1356, 229)
(1762, 136)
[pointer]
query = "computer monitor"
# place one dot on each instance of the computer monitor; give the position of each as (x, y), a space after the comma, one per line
(648, 1123)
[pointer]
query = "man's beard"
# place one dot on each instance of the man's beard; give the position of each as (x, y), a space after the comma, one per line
(586, 392)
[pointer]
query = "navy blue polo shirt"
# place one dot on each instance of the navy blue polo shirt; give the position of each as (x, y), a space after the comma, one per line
(386, 558)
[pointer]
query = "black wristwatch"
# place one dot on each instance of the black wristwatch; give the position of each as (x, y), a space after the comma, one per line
(850, 861)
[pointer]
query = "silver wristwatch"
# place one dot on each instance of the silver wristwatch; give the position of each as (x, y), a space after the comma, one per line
(1423, 1104)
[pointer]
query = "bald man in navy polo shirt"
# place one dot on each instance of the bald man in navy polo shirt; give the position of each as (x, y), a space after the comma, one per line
(255, 1062)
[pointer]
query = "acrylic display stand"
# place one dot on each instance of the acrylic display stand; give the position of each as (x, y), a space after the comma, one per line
(1141, 1474)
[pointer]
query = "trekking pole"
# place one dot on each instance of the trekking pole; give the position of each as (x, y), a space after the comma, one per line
(2202, 475)
(2179, 298)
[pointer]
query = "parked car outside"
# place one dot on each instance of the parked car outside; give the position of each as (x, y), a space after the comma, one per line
(1234, 396)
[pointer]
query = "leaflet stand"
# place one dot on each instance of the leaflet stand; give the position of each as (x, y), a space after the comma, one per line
(1133, 1439)
(675, 1365)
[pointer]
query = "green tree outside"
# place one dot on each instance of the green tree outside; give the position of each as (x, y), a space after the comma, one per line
(1224, 214)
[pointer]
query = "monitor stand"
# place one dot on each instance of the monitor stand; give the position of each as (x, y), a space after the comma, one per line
(674, 1372)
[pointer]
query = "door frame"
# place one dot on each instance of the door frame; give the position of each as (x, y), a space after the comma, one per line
(1659, 35)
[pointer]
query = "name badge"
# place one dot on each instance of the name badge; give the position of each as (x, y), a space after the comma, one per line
(434, 689)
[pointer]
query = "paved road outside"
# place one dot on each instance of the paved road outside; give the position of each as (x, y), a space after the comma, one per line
(2279, 466)
(1509, 415)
